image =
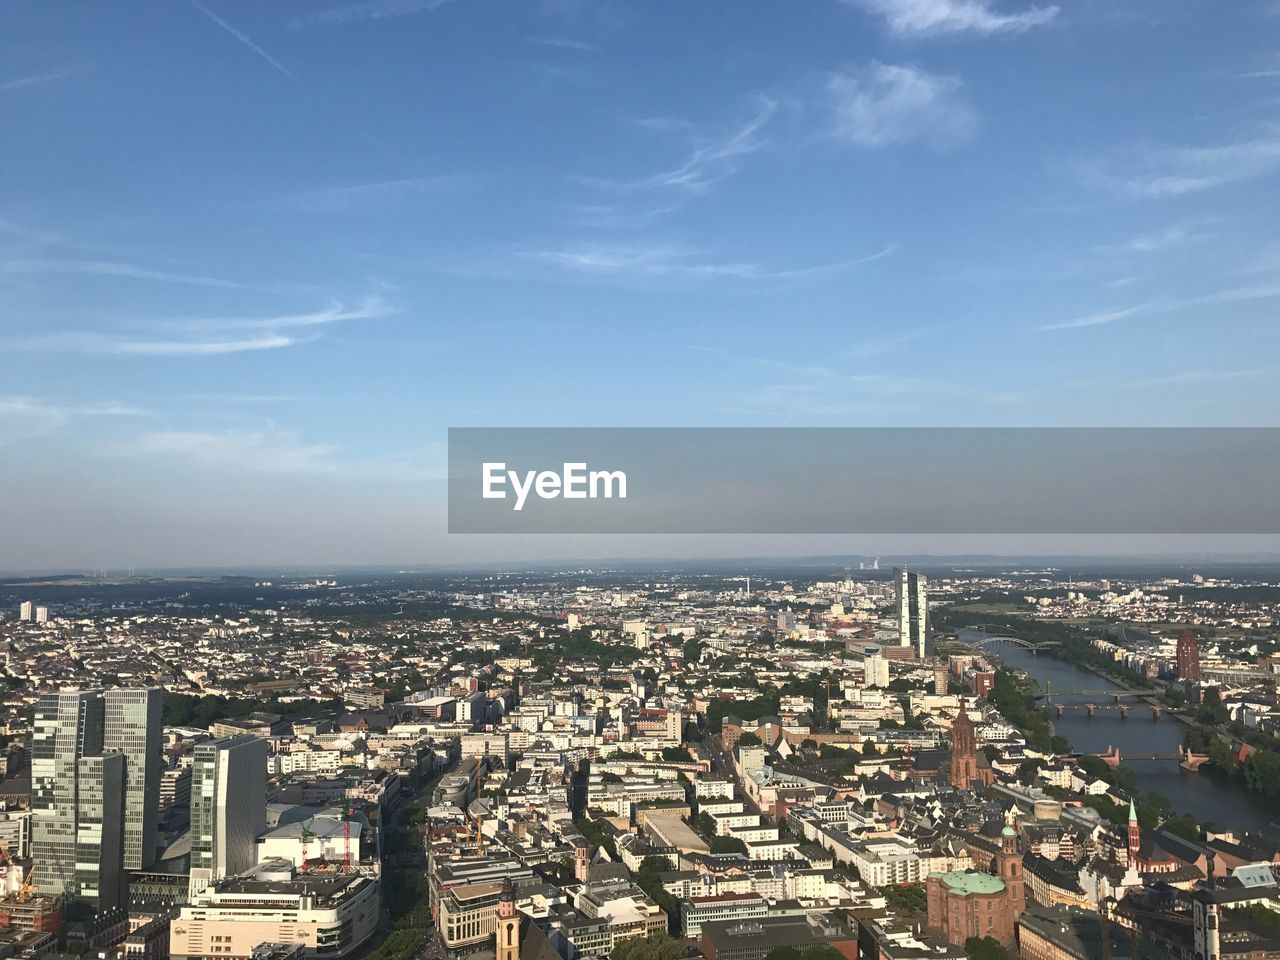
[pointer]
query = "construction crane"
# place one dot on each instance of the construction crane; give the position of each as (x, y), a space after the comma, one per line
(346, 835)
(14, 880)
(479, 821)
(24, 892)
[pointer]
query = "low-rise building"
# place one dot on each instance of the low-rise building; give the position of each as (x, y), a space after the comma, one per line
(329, 914)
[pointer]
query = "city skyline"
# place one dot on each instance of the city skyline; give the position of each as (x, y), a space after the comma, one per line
(241, 306)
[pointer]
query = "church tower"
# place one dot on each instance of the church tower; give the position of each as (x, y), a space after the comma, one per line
(964, 750)
(1010, 868)
(1135, 835)
(507, 935)
(582, 863)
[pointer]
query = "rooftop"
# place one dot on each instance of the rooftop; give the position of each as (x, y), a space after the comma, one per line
(969, 882)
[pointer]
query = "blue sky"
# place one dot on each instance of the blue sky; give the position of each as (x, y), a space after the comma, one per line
(256, 258)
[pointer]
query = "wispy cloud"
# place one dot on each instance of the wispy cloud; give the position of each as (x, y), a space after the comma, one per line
(564, 43)
(660, 124)
(105, 268)
(246, 41)
(933, 17)
(371, 307)
(247, 398)
(133, 345)
(198, 348)
(1186, 377)
(884, 104)
(206, 336)
(1153, 173)
(880, 346)
(710, 161)
(1154, 241)
(808, 390)
(618, 216)
(1243, 294)
(1098, 319)
(270, 451)
(370, 10)
(18, 83)
(670, 260)
(1174, 236)
(362, 196)
(26, 406)
(23, 417)
(274, 451)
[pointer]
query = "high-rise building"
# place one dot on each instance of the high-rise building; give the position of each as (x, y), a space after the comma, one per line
(95, 767)
(25, 610)
(228, 807)
(68, 726)
(42, 614)
(913, 610)
(100, 827)
(133, 728)
(1188, 657)
(875, 671)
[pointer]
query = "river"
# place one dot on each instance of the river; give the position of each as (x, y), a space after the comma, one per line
(1204, 795)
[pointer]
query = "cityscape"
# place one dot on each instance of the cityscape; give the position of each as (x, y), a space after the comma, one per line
(639, 480)
(879, 762)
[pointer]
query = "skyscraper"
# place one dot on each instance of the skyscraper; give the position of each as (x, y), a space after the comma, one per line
(25, 610)
(1188, 657)
(913, 610)
(95, 768)
(100, 828)
(68, 727)
(133, 728)
(228, 807)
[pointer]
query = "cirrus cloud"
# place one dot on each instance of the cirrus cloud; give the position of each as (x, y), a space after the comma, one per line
(927, 17)
(883, 104)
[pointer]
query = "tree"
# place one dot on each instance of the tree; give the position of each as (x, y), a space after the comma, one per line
(986, 948)
(656, 946)
(728, 845)
(822, 951)
(1028, 769)
(869, 748)
(749, 740)
(783, 953)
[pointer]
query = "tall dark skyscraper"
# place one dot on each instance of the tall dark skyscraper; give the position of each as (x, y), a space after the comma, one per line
(67, 729)
(95, 768)
(913, 610)
(1188, 657)
(133, 728)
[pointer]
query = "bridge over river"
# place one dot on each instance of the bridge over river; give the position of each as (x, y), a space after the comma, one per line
(1151, 747)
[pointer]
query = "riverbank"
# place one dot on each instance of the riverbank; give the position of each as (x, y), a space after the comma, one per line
(1209, 799)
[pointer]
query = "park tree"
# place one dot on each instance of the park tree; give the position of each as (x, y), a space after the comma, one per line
(656, 946)
(986, 948)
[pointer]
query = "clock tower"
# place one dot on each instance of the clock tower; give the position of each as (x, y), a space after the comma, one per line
(507, 935)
